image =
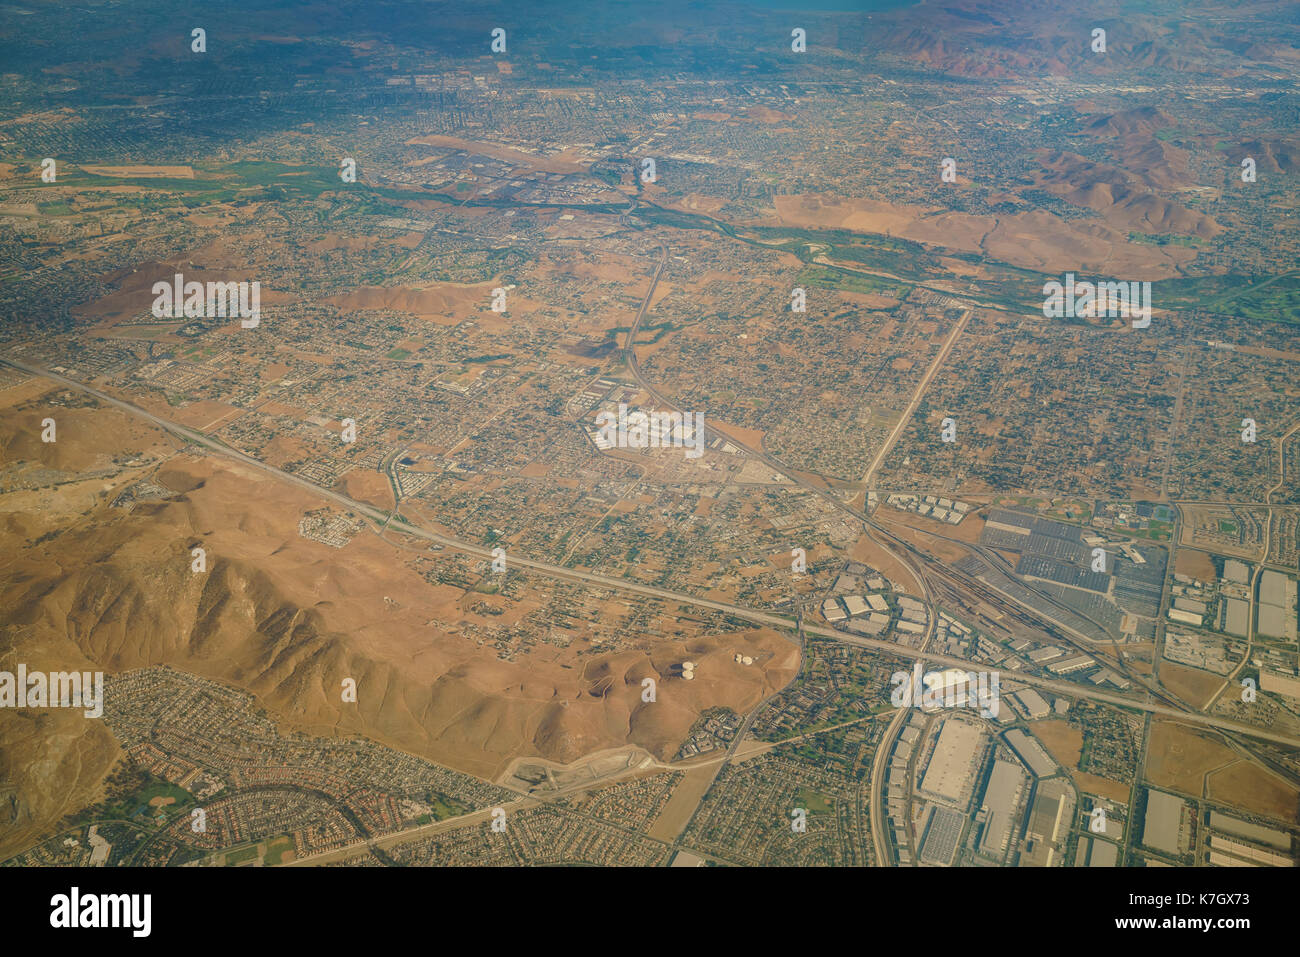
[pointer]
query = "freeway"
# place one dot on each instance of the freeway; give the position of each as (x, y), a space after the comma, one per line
(919, 562)
(379, 517)
(924, 565)
(1009, 604)
(875, 808)
(392, 838)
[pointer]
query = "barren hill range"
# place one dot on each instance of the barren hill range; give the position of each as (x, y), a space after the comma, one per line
(636, 394)
(289, 619)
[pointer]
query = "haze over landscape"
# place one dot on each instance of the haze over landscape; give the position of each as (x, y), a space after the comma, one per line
(848, 434)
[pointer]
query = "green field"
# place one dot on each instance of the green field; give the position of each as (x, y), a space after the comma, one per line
(445, 807)
(242, 855)
(1271, 298)
(276, 850)
(1163, 239)
(1159, 531)
(814, 802)
(852, 282)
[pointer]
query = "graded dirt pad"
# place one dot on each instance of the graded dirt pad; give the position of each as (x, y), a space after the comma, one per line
(870, 300)
(1062, 739)
(206, 415)
(916, 528)
(1064, 742)
(367, 485)
(1103, 787)
(1252, 788)
(1142, 664)
(1191, 684)
(750, 437)
(969, 528)
(1194, 563)
(288, 619)
(1179, 758)
(679, 810)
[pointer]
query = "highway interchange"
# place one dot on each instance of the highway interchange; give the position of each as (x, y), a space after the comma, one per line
(924, 567)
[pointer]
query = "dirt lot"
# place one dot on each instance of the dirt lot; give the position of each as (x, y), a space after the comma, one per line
(677, 813)
(1194, 563)
(1103, 787)
(865, 549)
(1179, 758)
(1251, 788)
(1063, 740)
(1191, 684)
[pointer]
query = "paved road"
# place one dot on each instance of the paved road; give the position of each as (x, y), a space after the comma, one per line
(876, 807)
(876, 798)
(403, 837)
(379, 516)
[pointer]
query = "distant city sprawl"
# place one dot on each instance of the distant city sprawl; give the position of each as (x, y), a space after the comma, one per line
(688, 434)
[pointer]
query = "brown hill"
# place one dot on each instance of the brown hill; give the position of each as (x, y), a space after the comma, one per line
(1034, 239)
(85, 438)
(987, 38)
(1138, 149)
(1142, 121)
(1121, 197)
(288, 619)
(133, 288)
(448, 302)
(1271, 156)
(52, 762)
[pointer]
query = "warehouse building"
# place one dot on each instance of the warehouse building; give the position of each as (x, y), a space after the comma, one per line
(1164, 829)
(1001, 805)
(1031, 704)
(950, 773)
(1031, 752)
(1238, 617)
